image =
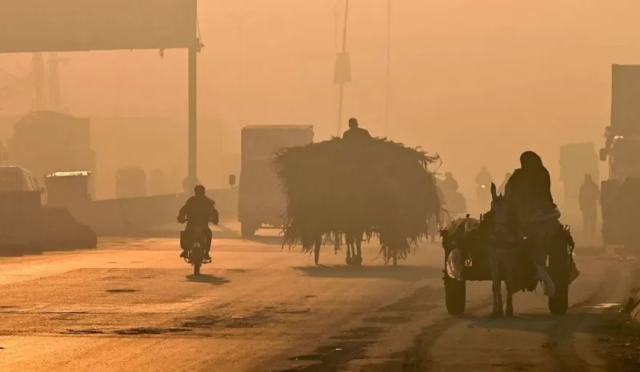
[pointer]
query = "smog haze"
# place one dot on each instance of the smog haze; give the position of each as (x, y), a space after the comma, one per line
(476, 82)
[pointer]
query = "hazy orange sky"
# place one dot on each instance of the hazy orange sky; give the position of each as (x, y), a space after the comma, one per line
(476, 81)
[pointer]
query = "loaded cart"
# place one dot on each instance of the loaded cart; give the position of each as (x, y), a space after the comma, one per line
(466, 258)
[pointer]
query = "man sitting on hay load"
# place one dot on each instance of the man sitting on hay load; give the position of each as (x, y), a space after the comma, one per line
(354, 132)
(355, 185)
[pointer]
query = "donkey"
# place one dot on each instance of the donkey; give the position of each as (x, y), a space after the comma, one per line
(541, 225)
(502, 254)
(313, 241)
(354, 247)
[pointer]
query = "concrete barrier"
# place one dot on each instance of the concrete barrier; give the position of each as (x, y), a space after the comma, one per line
(135, 215)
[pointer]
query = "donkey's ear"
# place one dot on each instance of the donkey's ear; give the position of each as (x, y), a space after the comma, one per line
(494, 193)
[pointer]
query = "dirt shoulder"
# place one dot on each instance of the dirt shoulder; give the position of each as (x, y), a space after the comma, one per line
(618, 340)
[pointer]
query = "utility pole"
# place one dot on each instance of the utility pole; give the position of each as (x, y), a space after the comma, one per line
(193, 105)
(388, 82)
(341, 64)
(38, 69)
(54, 82)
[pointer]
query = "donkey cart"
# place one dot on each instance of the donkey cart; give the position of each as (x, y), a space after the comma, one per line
(466, 250)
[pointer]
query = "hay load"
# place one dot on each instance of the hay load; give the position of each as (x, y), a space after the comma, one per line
(376, 186)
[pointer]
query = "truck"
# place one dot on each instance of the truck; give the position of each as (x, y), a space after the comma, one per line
(261, 200)
(68, 188)
(620, 193)
(27, 226)
(67, 192)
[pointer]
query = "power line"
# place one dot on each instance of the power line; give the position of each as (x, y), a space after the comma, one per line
(344, 51)
(388, 82)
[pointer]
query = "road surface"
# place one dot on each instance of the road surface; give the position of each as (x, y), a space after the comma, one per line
(132, 305)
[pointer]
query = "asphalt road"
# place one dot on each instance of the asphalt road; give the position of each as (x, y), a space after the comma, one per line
(132, 305)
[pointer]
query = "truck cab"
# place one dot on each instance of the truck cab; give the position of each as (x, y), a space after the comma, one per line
(623, 155)
(261, 201)
(620, 193)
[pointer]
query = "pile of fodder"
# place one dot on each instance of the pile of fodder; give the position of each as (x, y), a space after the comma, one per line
(394, 247)
(368, 186)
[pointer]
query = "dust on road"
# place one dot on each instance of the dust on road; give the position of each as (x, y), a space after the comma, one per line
(133, 307)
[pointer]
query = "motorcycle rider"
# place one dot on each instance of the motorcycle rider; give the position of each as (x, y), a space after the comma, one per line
(199, 210)
(483, 181)
(455, 200)
(449, 184)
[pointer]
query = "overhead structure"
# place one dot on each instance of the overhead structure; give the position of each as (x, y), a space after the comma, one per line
(28, 26)
(34, 26)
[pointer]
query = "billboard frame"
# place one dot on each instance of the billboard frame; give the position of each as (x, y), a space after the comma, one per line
(193, 49)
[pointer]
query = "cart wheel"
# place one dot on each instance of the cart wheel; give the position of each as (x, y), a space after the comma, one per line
(455, 292)
(559, 270)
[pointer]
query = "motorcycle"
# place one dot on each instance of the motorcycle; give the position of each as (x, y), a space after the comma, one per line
(196, 241)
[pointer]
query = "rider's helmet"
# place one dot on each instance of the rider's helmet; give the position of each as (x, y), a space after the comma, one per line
(353, 123)
(199, 190)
